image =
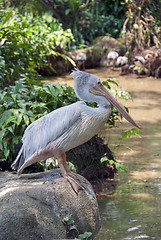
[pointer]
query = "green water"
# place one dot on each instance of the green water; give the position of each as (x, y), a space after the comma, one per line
(132, 209)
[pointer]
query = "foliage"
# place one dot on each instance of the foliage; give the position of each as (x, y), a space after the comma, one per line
(124, 135)
(103, 18)
(87, 19)
(118, 166)
(52, 163)
(139, 29)
(72, 228)
(25, 41)
(154, 7)
(127, 133)
(30, 6)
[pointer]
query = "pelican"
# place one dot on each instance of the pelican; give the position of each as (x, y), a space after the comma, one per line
(81, 59)
(121, 61)
(112, 57)
(67, 127)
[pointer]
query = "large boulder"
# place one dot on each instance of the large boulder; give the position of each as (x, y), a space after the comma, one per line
(44, 206)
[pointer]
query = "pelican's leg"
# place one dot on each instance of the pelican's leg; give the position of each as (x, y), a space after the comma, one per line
(66, 171)
(65, 163)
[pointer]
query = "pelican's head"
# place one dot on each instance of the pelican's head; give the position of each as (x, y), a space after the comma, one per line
(89, 88)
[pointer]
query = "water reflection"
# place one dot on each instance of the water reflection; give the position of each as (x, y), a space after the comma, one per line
(133, 210)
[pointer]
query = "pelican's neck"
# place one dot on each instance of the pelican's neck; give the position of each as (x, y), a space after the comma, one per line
(105, 109)
(103, 112)
(86, 96)
(104, 103)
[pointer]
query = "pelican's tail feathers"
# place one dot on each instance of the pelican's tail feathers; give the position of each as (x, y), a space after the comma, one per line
(19, 161)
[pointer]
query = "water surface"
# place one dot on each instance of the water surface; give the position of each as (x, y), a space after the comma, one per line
(132, 210)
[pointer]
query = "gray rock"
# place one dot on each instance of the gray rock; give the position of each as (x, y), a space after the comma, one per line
(34, 205)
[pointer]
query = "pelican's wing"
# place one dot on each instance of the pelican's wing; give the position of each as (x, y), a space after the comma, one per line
(48, 128)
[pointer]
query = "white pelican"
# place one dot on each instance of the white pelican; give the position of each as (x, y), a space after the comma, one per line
(67, 127)
(112, 57)
(121, 61)
(81, 59)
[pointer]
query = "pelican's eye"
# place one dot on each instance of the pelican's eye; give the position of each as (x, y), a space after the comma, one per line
(99, 83)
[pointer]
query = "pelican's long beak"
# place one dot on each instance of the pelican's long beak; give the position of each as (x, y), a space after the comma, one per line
(102, 91)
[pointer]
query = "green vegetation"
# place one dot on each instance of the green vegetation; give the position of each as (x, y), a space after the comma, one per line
(118, 166)
(86, 19)
(72, 230)
(26, 41)
(89, 19)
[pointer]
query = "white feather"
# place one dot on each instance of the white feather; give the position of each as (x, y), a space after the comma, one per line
(49, 128)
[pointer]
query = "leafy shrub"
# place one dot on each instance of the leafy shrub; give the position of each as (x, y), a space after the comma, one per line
(102, 18)
(25, 41)
(89, 19)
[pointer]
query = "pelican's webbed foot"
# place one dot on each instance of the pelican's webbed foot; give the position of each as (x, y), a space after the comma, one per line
(74, 183)
(66, 173)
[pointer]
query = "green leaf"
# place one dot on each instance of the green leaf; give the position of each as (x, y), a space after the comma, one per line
(121, 167)
(105, 83)
(3, 93)
(14, 96)
(67, 218)
(104, 159)
(26, 119)
(2, 133)
(73, 227)
(11, 119)
(114, 81)
(19, 119)
(72, 167)
(129, 132)
(67, 11)
(6, 152)
(11, 129)
(85, 235)
(118, 166)
(5, 116)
